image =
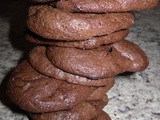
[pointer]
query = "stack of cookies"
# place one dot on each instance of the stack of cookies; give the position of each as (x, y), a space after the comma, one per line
(81, 50)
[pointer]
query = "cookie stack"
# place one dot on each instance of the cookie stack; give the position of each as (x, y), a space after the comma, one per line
(81, 50)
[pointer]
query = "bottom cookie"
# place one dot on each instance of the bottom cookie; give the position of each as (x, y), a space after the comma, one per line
(83, 111)
(36, 93)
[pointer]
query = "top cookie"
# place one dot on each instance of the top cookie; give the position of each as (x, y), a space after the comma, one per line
(49, 23)
(101, 6)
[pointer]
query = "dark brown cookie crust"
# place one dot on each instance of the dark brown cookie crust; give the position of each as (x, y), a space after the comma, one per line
(101, 6)
(49, 23)
(85, 44)
(106, 61)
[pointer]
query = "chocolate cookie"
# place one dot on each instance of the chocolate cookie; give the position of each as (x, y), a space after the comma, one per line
(41, 94)
(101, 6)
(39, 61)
(49, 23)
(106, 61)
(85, 44)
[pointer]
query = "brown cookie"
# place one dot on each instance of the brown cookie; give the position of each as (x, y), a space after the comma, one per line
(85, 44)
(106, 61)
(42, 94)
(101, 6)
(83, 111)
(49, 23)
(39, 61)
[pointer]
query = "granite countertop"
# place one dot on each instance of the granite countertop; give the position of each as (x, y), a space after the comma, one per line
(134, 97)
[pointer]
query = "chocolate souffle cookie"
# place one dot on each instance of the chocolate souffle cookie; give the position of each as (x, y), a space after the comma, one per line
(81, 49)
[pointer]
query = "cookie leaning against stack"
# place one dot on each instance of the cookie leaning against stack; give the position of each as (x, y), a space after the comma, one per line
(67, 78)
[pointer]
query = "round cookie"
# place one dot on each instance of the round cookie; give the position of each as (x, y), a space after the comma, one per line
(42, 94)
(83, 111)
(85, 44)
(106, 61)
(49, 23)
(103, 6)
(39, 61)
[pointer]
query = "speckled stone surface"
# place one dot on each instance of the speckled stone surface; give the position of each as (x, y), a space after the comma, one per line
(134, 97)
